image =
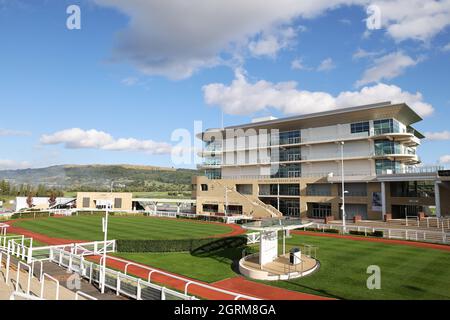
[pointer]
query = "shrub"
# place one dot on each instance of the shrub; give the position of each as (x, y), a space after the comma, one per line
(378, 234)
(195, 246)
(91, 213)
(31, 214)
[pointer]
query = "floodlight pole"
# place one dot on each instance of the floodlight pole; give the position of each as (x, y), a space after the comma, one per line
(105, 231)
(226, 201)
(344, 226)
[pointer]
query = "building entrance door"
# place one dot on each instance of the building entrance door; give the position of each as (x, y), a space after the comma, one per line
(293, 211)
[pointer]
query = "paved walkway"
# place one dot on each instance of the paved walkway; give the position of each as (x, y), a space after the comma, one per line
(8, 287)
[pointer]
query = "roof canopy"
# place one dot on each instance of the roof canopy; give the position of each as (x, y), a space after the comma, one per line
(385, 110)
(277, 224)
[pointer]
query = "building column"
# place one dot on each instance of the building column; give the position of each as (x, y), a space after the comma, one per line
(437, 197)
(383, 199)
(278, 197)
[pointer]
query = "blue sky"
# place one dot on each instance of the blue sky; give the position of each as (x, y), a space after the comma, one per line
(115, 90)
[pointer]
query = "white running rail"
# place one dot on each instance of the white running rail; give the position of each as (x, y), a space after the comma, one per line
(49, 277)
(79, 294)
(188, 282)
(24, 296)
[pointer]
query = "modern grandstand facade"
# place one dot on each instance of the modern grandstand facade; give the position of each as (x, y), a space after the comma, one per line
(293, 167)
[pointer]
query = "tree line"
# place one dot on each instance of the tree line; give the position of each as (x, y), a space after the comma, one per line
(26, 190)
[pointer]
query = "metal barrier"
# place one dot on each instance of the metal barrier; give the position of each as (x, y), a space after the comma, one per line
(126, 285)
(79, 294)
(188, 282)
(45, 275)
(4, 240)
(253, 238)
(16, 294)
(18, 277)
(391, 233)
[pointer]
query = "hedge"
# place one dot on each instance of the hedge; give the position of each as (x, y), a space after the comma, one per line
(34, 214)
(322, 230)
(195, 246)
(378, 234)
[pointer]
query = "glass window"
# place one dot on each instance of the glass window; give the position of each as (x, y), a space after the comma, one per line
(384, 147)
(387, 166)
(204, 187)
(287, 171)
(214, 208)
(86, 202)
(319, 210)
(386, 126)
(118, 203)
(288, 137)
(360, 127)
(213, 174)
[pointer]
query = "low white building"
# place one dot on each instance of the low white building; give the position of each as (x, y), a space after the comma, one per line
(39, 202)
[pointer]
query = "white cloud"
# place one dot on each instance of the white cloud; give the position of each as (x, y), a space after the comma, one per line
(242, 97)
(13, 165)
(387, 67)
(361, 53)
(297, 64)
(414, 19)
(176, 38)
(443, 135)
(326, 65)
(346, 22)
(446, 47)
(129, 81)
(11, 133)
(270, 44)
(445, 159)
(76, 138)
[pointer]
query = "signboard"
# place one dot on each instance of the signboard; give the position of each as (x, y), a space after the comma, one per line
(377, 204)
(269, 247)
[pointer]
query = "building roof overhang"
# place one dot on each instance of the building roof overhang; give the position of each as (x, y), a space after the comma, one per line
(384, 110)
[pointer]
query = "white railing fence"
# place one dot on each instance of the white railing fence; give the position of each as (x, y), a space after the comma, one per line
(392, 233)
(79, 294)
(253, 238)
(188, 282)
(52, 279)
(117, 281)
(23, 296)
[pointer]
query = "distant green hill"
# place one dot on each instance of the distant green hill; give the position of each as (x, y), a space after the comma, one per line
(128, 178)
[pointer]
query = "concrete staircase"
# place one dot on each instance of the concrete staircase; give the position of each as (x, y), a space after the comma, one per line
(260, 209)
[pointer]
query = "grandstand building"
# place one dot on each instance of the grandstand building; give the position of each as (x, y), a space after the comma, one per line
(295, 167)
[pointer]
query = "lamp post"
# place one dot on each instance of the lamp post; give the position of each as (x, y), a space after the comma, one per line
(227, 189)
(344, 226)
(105, 231)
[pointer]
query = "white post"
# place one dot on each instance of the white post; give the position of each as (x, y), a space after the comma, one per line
(139, 290)
(8, 262)
(284, 242)
(225, 209)
(105, 231)
(344, 226)
(118, 284)
(437, 197)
